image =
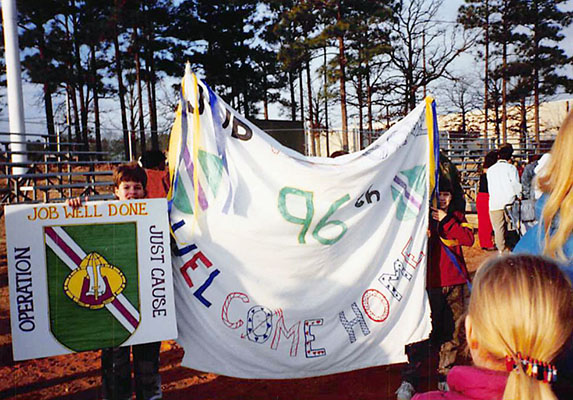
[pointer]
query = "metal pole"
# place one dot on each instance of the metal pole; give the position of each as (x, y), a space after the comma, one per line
(14, 81)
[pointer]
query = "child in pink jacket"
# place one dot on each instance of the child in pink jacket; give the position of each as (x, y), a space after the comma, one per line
(519, 320)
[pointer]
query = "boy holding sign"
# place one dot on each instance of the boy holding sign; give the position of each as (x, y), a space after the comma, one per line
(130, 182)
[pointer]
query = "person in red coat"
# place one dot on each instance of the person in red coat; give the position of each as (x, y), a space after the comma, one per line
(447, 286)
(485, 229)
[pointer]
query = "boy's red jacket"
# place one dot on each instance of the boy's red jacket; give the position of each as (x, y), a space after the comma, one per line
(454, 232)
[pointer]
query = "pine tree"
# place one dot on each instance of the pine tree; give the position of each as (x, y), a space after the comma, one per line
(539, 48)
(34, 16)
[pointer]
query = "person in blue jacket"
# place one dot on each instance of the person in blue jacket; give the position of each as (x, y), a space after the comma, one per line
(552, 237)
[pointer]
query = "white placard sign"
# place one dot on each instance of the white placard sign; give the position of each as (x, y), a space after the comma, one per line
(94, 277)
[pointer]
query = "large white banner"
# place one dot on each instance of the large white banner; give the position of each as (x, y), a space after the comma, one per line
(87, 278)
(289, 266)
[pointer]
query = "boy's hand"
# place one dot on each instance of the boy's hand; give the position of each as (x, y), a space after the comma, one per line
(75, 202)
(438, 214)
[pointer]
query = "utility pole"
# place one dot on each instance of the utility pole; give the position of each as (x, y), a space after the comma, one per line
(14, 82)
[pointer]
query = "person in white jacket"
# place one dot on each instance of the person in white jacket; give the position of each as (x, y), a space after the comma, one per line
(504, 186)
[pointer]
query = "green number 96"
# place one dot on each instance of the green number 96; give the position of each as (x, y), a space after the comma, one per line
(307, 219)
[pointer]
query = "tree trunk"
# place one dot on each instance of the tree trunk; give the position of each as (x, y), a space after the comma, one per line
(344, 115)
(121, 88)
(369, 97)
(69, 114)
(464, 112)
(360, 111)
(49, 110)
(292, 96)
(410, 89)
(387, 117)
(536, 88)
(266, 103)
(150, 107)
(96, 100)
(496, 109)
(523, 135)
(74, 99)
(504, 76)
(326, 106)
(150, 82)
(342, 63)
(71, 90)
(504, 95)
(48, 107)
(80, 86)
(154, 102)
(311, 125)
(139, 92)
(309, 92)
(486, 79)
(301, 99)
(424, 59)
(132, 128)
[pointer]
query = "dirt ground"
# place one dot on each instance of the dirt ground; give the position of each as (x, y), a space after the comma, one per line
(77, 376)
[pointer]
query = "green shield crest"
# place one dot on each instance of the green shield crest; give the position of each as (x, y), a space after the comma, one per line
(93, 291)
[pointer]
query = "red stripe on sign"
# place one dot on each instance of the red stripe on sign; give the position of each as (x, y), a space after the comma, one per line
(130, 318)
(63, 245)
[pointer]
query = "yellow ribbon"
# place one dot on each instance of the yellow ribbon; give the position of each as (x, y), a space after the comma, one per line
(196, 138)
(432, 160)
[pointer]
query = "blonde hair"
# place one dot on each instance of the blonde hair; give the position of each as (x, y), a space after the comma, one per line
(557, 181)
(521, 303)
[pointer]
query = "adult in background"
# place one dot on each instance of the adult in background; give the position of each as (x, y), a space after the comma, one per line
(504, 186)
(528, 197)
(527, 184)
(157, 175)
(553, 235)
(485, 230)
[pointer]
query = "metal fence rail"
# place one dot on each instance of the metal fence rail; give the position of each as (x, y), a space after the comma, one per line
(467, 153)
(55, 171)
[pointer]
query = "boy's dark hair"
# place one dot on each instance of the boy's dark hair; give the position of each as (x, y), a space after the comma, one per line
(505, 152)
(445, 185)
(153, 159)
(490, 159)
(129, 173)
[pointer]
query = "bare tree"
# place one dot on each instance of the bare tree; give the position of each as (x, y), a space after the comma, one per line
(418, 35)
(463, 98)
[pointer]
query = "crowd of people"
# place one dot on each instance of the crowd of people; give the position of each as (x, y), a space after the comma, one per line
(517, 320)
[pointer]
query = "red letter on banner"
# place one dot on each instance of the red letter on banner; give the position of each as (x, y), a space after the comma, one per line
(192, 263)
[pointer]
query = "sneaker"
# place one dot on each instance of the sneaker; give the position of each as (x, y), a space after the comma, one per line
(443, 386)
(405, 391)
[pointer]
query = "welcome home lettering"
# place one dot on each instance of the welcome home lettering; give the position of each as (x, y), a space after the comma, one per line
(262, 324)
